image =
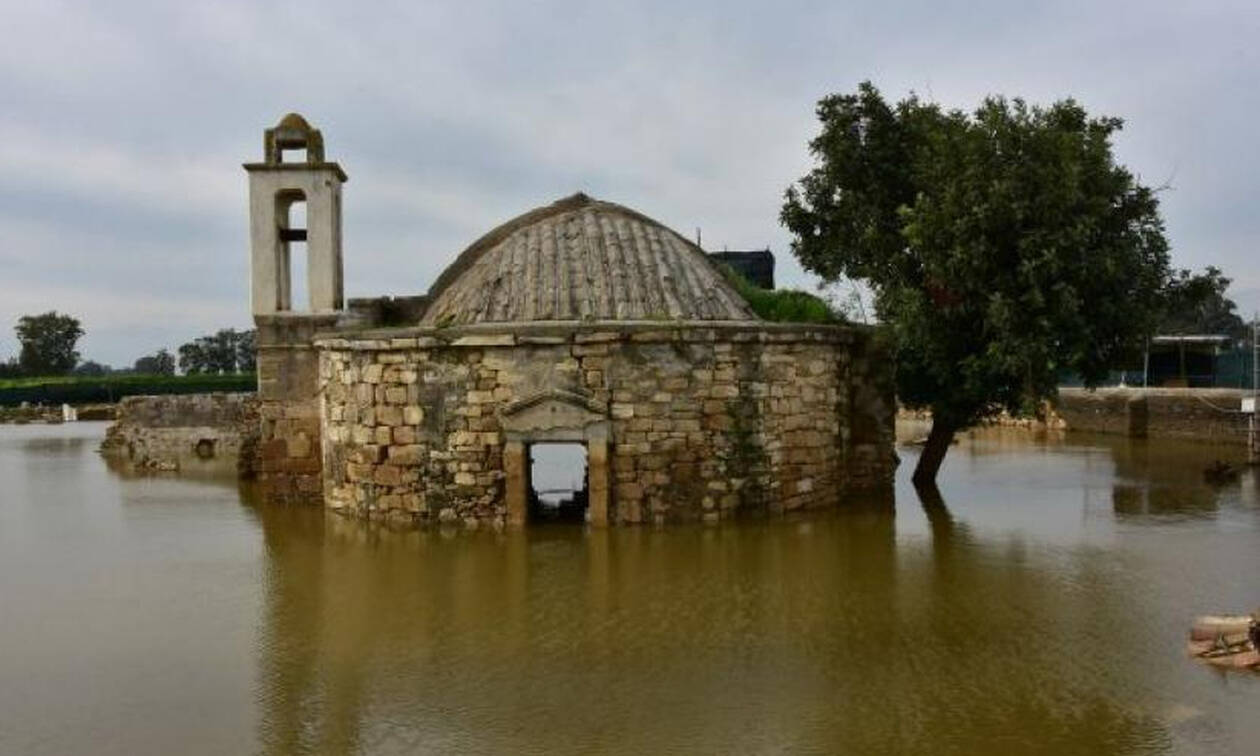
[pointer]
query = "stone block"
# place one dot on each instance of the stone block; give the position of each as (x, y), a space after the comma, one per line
(389, 415)
(485, 340)
(406, 454)
(370, 454)
(597, 337)
(387, 475)
(299, 445)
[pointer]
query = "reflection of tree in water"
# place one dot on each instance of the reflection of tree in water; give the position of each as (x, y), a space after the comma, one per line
(1016, 654)
(823, 633)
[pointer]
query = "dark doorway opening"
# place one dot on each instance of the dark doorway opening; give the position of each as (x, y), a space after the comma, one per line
(558, 482)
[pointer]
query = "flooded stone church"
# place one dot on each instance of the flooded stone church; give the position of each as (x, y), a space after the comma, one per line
(579, 322)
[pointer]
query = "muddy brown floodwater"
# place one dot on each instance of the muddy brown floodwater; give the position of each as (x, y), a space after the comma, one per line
(1040, 607)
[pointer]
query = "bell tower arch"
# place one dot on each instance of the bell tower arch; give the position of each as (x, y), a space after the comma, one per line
(294, 171)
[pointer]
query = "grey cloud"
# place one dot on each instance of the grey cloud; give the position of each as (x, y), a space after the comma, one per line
(122, 197)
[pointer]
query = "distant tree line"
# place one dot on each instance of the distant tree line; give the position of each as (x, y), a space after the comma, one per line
(225, 351)
(48, 344)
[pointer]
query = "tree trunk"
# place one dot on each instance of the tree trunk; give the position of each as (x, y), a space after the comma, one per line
(938, 441)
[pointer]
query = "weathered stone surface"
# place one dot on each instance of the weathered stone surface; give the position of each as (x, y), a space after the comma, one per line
(695, 427)
(191, 430)
(581, 259)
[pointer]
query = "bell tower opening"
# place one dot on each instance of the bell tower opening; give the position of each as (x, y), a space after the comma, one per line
(292, 251)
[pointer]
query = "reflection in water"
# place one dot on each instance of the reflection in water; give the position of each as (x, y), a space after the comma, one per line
(1036, 603)
(54, 446)
(818, 633)
(216, 470)
(1163, 479)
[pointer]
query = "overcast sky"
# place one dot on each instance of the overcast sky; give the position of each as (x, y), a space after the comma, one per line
(124, 126)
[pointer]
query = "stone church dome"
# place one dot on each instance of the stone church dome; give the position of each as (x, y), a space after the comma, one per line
(582, 259)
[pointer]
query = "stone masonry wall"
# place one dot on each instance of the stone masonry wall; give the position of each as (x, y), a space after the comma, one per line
(288, 457)
(174, 432)
(1196, 414)
(705, 422)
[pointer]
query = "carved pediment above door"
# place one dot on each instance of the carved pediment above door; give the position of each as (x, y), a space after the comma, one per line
(554, 415)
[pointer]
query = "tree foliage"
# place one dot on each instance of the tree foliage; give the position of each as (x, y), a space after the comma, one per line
(225, 351)
(91, 368)
(48, 343)
(782, 305)
(161, 362)
(1196, 303)
(1003, 246)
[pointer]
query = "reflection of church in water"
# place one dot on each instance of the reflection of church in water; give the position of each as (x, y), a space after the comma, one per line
(380, 639)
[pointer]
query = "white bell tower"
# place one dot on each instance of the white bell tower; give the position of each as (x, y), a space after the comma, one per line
(276, 187)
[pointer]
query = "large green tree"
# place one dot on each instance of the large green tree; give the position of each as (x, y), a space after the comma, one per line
(1003, 246)
(48, 342)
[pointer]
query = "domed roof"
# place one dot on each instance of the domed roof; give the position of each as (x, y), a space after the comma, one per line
(582, 259)
(295, 122)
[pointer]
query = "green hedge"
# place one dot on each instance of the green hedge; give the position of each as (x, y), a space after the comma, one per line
(782, 305)
(111, 388)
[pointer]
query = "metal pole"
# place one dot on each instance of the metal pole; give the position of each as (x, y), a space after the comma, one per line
(1146, 363)
(1253, 451)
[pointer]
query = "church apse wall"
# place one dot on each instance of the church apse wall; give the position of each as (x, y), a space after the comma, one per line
(681, 423)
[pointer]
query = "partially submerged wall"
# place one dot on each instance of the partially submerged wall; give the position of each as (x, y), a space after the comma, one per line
(178, 431)
(701, 421)
(288, 460)
(1196, 414)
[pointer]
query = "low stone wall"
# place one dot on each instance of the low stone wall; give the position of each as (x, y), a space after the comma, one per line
(695, 421)
(1197, 414)
(55, 414)
(25, 415)
(177, 431)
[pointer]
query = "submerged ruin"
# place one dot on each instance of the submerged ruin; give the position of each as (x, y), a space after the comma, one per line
(580, 322)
